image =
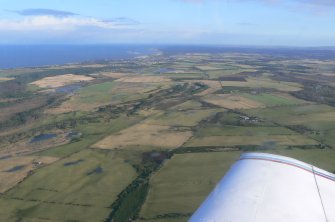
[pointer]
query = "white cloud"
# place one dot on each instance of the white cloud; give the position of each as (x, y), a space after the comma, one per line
(53, 23)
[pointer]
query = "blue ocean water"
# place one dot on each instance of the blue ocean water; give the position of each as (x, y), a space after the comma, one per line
(16, 56)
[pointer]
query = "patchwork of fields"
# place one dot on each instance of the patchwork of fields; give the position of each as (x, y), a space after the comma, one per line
(82, 187)
(148, 139)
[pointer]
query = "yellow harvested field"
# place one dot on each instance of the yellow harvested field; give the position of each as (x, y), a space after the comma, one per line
(212, 84)
(14, 170)
(265, 83)
(4, 79)
(144, 79)
(145, 134)
(208, 68)
(61, 80)
(115, 75)
(232, 101)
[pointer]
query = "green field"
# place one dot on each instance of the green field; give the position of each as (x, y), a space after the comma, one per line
(322, 158)
(312, 116)
(81, 186)
(273, 99)
(188, 105)
(183, 75)
(243, 131)
(214, 74)
(257, 140)
(265, 83)
(183, 183)
(182, 118)
(111, 92)
(95, 93)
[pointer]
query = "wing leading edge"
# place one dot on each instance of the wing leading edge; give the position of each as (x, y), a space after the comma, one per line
(264, 187)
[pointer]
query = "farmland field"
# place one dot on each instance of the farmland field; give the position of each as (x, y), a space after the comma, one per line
(288, 140)
(62, 80)
(319, 116)
(184, 182)
(182, 118)
(146, 139)
(231, 101)
(14, 170)
(84, 184)
(105, 93)
(144, 134)
(274, 99)
(265, 83)
(4, 79)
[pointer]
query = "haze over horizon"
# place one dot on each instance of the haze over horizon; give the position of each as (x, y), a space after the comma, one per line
(225, 22)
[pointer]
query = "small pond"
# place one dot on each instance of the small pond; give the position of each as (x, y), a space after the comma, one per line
(42, 137)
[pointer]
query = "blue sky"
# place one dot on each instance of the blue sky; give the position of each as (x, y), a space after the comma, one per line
(238, 22)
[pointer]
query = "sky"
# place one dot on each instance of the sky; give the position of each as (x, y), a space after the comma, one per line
(223, 22)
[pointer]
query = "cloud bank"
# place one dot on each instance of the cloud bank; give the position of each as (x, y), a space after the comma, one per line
(52, 20)
(44, 12)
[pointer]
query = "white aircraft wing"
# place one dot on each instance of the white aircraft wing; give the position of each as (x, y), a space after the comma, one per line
(269, 188)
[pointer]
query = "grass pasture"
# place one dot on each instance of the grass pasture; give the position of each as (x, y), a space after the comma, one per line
(214, 74)
(329, 137)
(208, 67)
(14, 169)
(319, 117)
(82, 187)
(188, 105)
(245, 140)
(265, 83)
(183, 75)
(242, 131)
(183, 182)
(182, 118)
(32, 211)
(105, 93)
(274, 99)
(232, 101)
(322, 158)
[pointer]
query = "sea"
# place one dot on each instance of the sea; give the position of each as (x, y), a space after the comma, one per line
(19, 56)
